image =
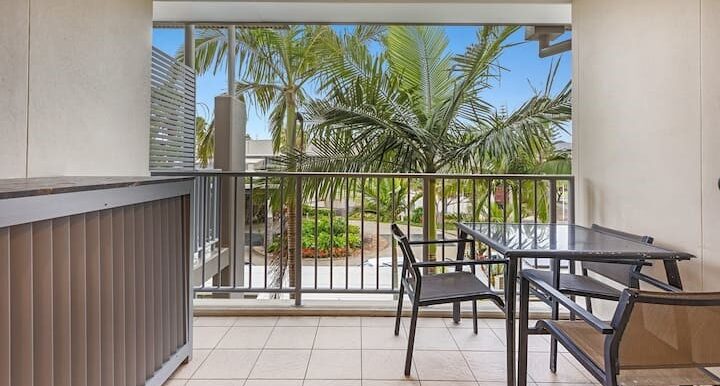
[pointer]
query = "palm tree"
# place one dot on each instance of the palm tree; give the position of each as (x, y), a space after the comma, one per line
(416, 108)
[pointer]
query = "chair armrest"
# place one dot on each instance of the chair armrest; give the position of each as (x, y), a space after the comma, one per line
(656, 283)
(450, 263)
(449, 241)
(599, 325)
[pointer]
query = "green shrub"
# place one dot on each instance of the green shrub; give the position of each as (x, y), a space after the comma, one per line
(340, 231)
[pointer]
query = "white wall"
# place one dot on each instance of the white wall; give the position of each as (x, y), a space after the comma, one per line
(644, 110)
(79, 71)
(13, 87)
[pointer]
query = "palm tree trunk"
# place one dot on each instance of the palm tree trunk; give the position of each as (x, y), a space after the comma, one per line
(290, 124)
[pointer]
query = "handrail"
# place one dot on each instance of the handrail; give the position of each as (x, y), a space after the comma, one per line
(203, 173)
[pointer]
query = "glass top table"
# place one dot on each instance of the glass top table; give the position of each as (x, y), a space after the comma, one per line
(556, 242)
(563, 241)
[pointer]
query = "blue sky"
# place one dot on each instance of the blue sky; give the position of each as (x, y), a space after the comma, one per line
(525, 70)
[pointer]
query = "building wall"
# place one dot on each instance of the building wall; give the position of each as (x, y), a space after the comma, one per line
(13, 87)
(646, 113)
(710, 83)
(78, 75)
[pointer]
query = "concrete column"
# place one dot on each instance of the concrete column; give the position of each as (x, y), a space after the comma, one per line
(230, 119)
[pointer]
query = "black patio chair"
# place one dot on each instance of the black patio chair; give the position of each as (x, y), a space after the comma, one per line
(654, 338)
(439, 288)
(584, 285)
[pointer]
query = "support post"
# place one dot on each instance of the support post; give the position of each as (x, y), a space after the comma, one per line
(190, 45)
(231, 60)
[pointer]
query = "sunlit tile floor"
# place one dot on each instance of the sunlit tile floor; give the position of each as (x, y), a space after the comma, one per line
(354, 351)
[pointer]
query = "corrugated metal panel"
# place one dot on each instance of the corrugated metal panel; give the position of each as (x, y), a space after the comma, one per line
(82, 293)
(172, 113)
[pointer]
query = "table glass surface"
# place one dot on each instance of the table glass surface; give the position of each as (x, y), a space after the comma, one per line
(562, 239)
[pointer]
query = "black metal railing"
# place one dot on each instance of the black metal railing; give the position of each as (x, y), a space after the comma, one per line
(243, 225)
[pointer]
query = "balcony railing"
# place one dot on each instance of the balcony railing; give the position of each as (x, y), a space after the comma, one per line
(246, 250)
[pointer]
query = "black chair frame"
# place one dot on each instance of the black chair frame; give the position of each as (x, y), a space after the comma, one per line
(411, 283)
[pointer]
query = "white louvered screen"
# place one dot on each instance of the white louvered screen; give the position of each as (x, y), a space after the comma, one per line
(172, 113)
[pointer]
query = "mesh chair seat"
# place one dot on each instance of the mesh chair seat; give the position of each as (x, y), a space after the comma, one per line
(576, 284)
(584, 338)
(454, 286)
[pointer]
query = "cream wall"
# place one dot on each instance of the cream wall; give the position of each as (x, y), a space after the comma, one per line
(81, 106)
(13, 87)
(645, 116)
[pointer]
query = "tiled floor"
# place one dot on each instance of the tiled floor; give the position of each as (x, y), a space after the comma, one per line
(340, 351)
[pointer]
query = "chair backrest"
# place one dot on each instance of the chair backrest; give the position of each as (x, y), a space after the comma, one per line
(408, 255)
(667, 330)
(621, 273)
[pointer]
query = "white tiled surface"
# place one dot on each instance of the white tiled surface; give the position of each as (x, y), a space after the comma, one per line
(348, 351)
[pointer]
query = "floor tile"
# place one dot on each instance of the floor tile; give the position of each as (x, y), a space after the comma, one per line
(495, 322)
(442, 366)
(175, 382)
(332, 382)
(274, 382)
(281, 364)
(539, 370)
(340, 321)
(208, 337)
(464, 323)
(245, 337)
(425, 322)
(484, 340)
(256, 321)
(434, 339)
(216, 382)
(214, 321)
(385, 365)
(227, 364)
(383, 338)
(298, 321)
(186, 371)
(377, 322)
(335, 364)
(291, 337)
(390, 383)
(345, 338)
(487, 366)
(455, 383)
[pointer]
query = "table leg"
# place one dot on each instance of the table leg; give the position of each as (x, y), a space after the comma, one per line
(510, 294)
(673, 273)
(555, 313)
(460, 254)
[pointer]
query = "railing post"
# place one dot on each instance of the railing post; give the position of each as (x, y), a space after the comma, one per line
(553, 201)
(571, 200)
(298, 240)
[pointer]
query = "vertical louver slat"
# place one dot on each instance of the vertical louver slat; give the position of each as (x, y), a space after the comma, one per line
(61, 302)
(118, 217)
(21, 310)
(172, 113)
(93, 283)
(179, 277)
(157, 291)
(78, 301)
(172, 263)
(165, 295)
(141, 372)
(42, 303)
(4, 306)
(149, 291)
(107, 301)
(130, 338)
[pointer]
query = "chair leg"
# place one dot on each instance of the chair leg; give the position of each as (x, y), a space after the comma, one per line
(411, 339)
(475, 317)
(523, 338)
(399, 310)
(588, 304)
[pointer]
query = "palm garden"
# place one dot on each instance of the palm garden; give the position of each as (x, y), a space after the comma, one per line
(372, 99)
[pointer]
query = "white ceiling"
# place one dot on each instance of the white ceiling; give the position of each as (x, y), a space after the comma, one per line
(523, 12)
